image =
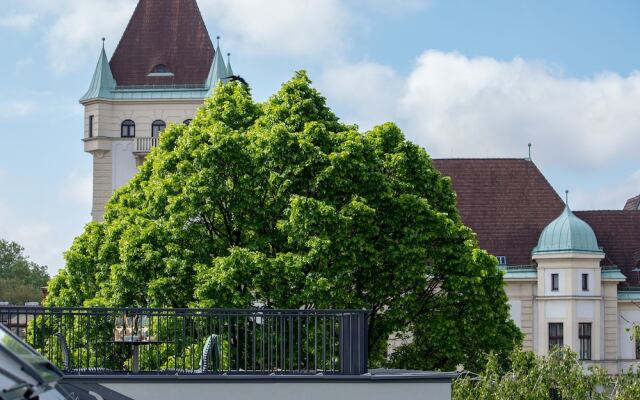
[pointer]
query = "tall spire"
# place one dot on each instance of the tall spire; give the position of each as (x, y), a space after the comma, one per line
(218, 71)
(102, 83)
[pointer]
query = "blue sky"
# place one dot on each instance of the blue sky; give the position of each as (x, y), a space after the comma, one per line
(461, 78)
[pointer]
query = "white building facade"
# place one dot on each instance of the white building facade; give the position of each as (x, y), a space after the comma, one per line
(161, 72)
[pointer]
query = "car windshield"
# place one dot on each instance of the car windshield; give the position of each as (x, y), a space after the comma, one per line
(46, 372)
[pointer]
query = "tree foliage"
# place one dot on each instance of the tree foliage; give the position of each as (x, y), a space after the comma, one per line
(281, 204)
(20, 278)
(560, 375)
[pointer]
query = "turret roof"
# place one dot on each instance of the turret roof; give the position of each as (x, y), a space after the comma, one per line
(567, 233)
(102, 83)
(171, 33)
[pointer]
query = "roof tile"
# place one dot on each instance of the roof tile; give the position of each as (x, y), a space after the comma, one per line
(169, 32)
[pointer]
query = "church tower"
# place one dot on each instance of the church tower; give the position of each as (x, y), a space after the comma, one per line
(160, 73)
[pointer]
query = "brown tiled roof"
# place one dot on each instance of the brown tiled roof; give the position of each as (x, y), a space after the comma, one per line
(633, 203)
(618, 233)
(507, 202)
(169, 32)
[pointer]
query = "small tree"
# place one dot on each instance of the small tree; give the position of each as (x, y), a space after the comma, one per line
(560, 375)
(281, 204)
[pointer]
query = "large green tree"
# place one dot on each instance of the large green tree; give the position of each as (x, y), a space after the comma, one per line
(280, 203)
(20, 278)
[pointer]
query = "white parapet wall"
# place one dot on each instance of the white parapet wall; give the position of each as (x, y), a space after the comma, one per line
(375, 386)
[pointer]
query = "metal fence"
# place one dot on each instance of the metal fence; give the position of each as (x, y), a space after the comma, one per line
(159, 341)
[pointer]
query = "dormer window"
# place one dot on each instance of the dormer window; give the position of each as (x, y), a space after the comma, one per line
(160, 70)
(502, 260)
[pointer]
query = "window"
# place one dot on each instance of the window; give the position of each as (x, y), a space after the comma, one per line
(637, 348)
(90, 125)
(187, 122)
(555, 282)
(555, 334)
(160, 69)
(584, 335)
(157, 127)
(585, 282)
(128, 128)
(502, 260)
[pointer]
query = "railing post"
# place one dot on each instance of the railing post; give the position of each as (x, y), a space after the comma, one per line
(353, 343)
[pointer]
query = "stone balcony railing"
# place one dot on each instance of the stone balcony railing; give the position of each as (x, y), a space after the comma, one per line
(143, 145)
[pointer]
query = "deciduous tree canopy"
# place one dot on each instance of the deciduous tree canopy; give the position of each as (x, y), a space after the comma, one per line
(20, 278)
(281, 204)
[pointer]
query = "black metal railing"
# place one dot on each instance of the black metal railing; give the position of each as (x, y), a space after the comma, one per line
(157, 341)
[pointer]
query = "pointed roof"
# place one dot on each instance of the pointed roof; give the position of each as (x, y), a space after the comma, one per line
(102, 84)
(229, 69)
(218, 71)
(164, 32)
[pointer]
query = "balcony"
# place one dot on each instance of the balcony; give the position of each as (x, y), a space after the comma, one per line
(143, 145)
(160, 341)
(258, 353)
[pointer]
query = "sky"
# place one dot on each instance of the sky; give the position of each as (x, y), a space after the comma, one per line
(461, 78)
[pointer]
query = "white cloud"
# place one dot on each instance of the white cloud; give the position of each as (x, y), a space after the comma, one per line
(72, 29)
(474, 107)
(39, 240)
(76, 32)
(18, 21)
(369, 92)
(17, 108)
(77, 188)
(610, 197)
(281, 27)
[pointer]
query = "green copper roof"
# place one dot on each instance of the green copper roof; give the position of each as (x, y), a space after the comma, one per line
(629, 294)
(229, 69)
(102, 83)
(519, 272)
(218, 72)
(567, 233)
(104, 86)
(612, 273)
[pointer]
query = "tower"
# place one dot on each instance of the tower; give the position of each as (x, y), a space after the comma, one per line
(576, 303)
(160, 73)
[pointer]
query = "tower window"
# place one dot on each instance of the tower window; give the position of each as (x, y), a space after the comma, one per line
(128, 129)
(157, 127)
(584, 334)
(555, 282)
(556, 335)
(90, 125)
(585, 282)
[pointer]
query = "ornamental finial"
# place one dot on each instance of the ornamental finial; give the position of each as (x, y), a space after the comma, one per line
(103, 39)
(566, 197)
(218, 38)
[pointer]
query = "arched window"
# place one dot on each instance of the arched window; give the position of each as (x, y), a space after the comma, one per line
(160, 69)
(157, 127)
(128, 128)
(187, 122)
